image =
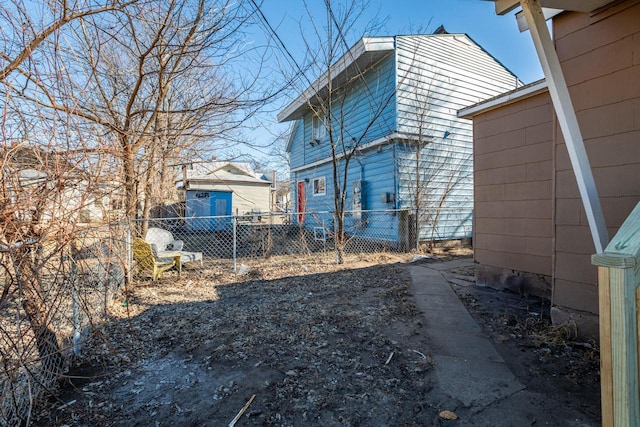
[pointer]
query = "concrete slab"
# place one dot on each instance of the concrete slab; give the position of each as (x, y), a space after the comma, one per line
(467, 366)
(448, 265)
(474, 381)
(458, 345)
(446, 323)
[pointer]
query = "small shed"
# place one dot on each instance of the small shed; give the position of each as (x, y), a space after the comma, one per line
(216, 190)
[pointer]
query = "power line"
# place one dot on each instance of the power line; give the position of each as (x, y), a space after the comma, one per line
(360, 73)
(283, 46)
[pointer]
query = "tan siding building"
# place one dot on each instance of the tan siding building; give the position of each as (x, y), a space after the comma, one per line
(530, 224)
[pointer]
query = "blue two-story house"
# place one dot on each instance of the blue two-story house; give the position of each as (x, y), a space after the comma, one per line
(390, 118)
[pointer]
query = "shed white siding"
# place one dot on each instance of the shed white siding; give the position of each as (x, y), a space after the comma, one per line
(246, 197)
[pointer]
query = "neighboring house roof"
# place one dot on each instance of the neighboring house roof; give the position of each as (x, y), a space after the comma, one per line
(33, 163)
(222, 172)
(503, 99)
(367, 51)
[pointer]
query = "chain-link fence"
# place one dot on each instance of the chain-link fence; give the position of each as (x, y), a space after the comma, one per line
(261, 236)
(241, 238)
(73, 282)
(53, 292)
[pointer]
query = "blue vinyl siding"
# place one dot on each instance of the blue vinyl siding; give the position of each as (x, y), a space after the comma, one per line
(446, 187)
(297, 149)
(375, 169)
(421, 85)
(365, 111)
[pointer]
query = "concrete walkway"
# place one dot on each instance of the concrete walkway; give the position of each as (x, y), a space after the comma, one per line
(472, 378)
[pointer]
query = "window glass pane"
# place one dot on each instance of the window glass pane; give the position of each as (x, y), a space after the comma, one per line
(319, 186)
(319, 130)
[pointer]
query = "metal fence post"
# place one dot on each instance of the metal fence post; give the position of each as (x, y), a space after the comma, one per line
(234, 221)
(75, 308)
(129, 250)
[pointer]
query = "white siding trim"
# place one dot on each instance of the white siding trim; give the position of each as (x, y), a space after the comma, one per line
(502, 100)
(387, 139)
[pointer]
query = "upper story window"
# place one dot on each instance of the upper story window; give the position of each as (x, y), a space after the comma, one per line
(319, 129)
(319, 186)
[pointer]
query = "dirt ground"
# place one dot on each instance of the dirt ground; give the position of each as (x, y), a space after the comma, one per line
(303, 342)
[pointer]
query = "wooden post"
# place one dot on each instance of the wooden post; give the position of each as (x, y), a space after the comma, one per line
(606, 372)
(618, 280)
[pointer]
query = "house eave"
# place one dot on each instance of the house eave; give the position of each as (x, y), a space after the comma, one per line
(501, 100)
(505, 6)
(365, 52)
(394, 137)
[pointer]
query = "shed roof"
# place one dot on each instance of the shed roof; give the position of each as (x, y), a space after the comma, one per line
(222, 172)
(503, 99)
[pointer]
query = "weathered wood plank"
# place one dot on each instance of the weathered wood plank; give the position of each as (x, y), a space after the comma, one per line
(606, 372)
(624, 344)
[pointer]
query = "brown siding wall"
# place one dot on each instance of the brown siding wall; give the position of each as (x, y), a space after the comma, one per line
(528, 212)
(513, 149)
(600, 56)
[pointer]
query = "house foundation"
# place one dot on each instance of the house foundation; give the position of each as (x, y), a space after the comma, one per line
(538, 285)
(522, 283)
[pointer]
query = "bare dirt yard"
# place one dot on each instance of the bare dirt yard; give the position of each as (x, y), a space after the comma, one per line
(302, 342)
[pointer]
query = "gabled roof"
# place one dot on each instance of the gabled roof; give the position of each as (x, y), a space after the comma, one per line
(222, 172)
(362, 55)
(32, 162)
(365, 52)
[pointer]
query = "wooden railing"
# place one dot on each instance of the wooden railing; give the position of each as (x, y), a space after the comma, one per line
(618, 280)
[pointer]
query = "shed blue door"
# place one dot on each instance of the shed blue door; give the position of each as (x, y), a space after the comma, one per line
(202, 205)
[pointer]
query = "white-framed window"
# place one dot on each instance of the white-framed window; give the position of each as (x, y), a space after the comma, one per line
(319, 129)
(319, 186)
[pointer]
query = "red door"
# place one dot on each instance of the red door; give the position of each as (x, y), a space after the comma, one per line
(301, 199)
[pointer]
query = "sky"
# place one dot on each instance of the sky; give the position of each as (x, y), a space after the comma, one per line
(498, 35)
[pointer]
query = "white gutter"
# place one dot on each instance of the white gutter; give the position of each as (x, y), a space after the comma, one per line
(504, 99)
(380, 141)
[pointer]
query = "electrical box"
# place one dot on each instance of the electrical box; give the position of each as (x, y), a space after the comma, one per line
(358, 202)
(388, 197)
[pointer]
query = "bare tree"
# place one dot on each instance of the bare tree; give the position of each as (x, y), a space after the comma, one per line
(334, 103)
(48, 177)
(26, 26)
(45, 193)
(441, 167)
(94, 92)
(156, 81)
(437, 172)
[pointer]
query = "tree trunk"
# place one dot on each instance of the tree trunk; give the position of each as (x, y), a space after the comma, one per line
(48, 348)
(339, 237)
